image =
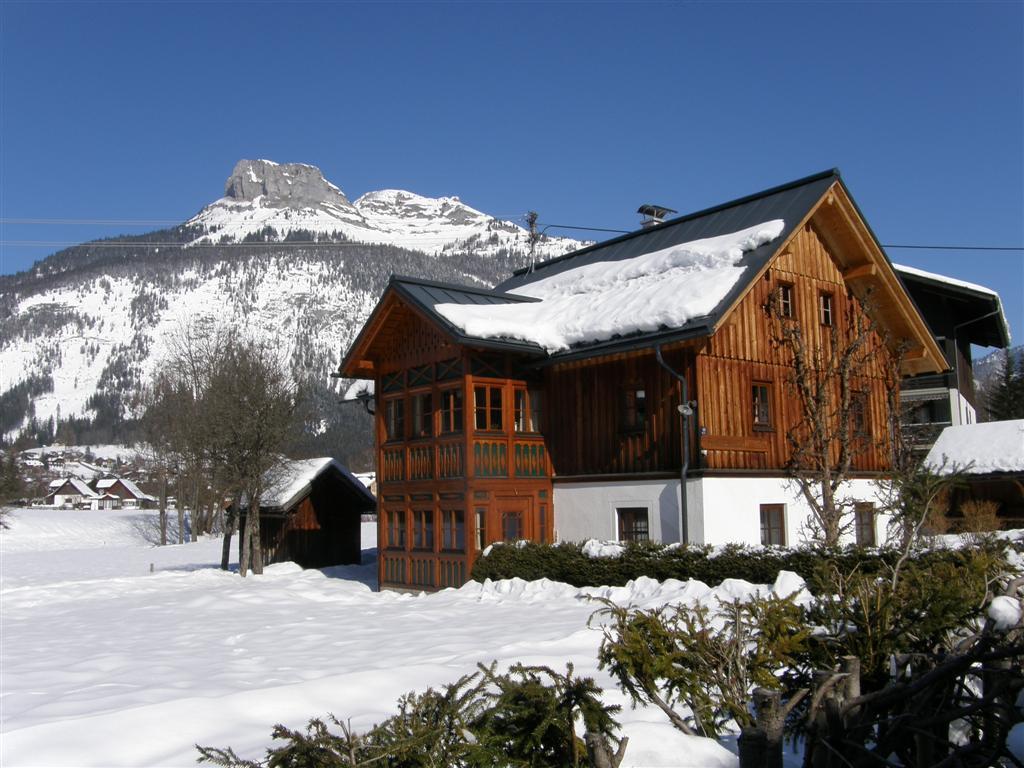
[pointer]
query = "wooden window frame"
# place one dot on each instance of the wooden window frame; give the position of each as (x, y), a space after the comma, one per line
(394, 419)
(453, 530)
(527, 410)
(494, 403)
(769, 526)
(762, 419)
(480, 528)
(861, 527)
(423, 530)
(626, 522)
(395, 529)
(634, 408)
(422, 422)
(452, 411)
(787, 304)
(860, 413)
(826, 309)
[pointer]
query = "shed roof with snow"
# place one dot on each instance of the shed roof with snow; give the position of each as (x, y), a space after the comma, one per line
(988, 448)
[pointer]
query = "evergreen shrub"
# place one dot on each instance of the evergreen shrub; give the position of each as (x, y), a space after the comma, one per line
(567, 563)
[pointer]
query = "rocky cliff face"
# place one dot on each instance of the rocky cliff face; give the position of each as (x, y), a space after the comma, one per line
(292, 185)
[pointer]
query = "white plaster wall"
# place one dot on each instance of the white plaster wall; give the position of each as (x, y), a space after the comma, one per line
(962, 411)
(587, 510)
(721, 510)
(731, 508)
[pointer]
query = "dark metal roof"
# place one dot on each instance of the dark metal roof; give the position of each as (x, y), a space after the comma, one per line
(949, 306)
(427, 294)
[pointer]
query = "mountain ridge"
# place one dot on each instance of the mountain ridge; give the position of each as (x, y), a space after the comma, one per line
(83, 329)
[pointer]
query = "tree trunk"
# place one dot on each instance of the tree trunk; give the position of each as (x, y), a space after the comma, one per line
(244, 541)
(163, 509)
(229, 526)
(254, 527)
(180, 504)
(195, 509)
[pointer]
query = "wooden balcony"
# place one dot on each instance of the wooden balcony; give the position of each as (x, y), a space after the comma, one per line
(451, 460)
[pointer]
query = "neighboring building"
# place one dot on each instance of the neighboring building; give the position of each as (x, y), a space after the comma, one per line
(311, 514)
(131, 496)
(70, 492)
(959, 314)
(550, 408)
(991, 457)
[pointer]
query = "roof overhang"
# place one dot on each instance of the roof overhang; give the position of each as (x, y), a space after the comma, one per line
(867, 272)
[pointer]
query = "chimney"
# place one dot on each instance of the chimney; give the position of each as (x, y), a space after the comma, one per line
(653, 215)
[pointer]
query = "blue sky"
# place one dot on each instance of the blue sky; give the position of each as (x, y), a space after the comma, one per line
(136, 112)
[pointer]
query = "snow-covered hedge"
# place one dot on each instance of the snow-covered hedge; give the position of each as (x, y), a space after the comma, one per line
(589, 565)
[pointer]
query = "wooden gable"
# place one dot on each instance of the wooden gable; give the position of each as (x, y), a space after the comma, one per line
(395, 336)
(834, 246)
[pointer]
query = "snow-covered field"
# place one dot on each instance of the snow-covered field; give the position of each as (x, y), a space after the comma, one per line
(118, 653)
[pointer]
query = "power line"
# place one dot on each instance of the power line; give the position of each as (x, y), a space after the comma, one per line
(960, 247)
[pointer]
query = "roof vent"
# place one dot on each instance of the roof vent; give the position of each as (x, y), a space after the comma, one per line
(653, 214)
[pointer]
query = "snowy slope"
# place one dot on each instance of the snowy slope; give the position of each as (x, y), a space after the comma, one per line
(87, 327)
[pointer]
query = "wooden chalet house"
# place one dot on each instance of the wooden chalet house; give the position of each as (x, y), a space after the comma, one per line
(959, 314)
(580, 396)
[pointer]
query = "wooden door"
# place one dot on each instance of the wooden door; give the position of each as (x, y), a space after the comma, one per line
(510, 519)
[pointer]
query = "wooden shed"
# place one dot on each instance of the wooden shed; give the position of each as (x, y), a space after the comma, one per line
(311, 513)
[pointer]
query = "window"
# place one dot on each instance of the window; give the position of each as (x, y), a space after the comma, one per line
(453, 530)
(481, 528)
(396, 529)
(543, 523)
(860, 423)
(451, 411)
(786, 300)
(422, 415)
(773, 525)
(394, 419)
(527, 406)
(634, 409)
(423, 529)
(864, 523)
(825, 309)
(633, 524)
(762, 407)
(512, 526)
(488, 407)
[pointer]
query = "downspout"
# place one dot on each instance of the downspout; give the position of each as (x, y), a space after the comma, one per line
(685, 411)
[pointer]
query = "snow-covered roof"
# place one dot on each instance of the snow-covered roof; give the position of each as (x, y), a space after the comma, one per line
(79, 486)
(105, 482)
(944, 279)
(995, 446)
(295, 477)
(664, 288)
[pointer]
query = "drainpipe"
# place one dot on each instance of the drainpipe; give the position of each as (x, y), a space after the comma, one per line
(685, 411)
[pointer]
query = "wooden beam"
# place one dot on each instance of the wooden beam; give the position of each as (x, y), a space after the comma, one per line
(858, 273)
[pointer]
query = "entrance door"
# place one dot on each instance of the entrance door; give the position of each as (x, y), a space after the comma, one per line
(510, 519)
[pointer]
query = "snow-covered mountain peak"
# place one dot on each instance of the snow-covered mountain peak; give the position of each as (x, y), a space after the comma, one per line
(265, 201)
(398, 204)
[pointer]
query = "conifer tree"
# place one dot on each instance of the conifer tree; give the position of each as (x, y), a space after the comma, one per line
(1007, 398)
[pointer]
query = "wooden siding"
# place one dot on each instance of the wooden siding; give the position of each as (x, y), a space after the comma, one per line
(586, 430)
(741, 353)
(495, 472)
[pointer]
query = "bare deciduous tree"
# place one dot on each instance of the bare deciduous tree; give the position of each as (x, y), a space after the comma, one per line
(226, 408)
(832, 373)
